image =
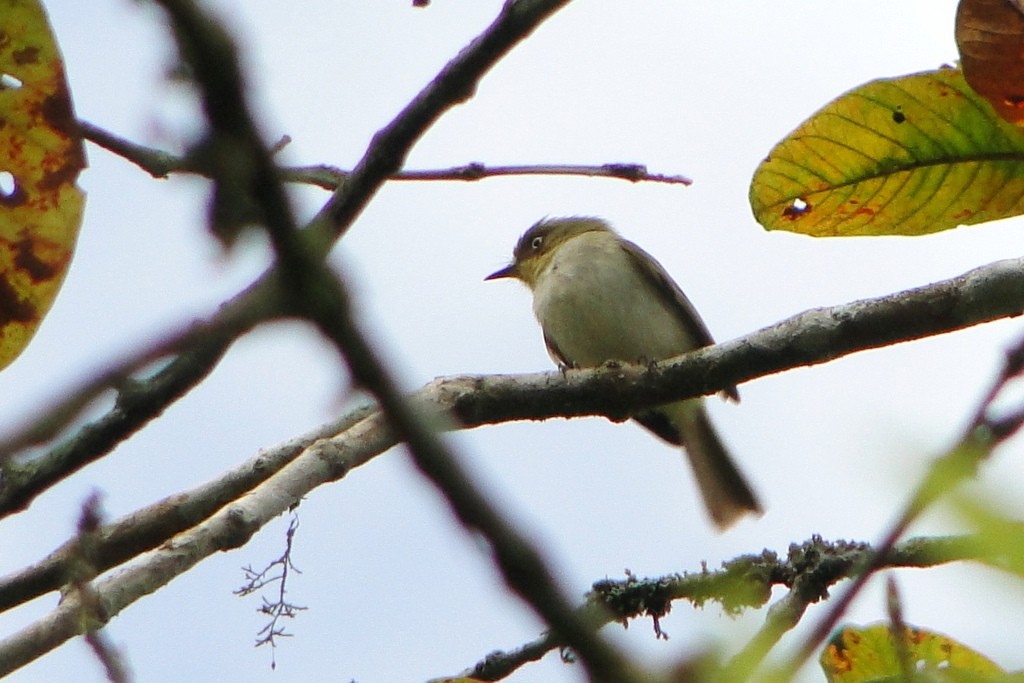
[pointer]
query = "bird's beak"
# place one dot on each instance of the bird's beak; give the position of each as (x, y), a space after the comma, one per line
(507, 271)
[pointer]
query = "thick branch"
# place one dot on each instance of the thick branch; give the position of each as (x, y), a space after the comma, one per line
(807, 338)
(816, 336)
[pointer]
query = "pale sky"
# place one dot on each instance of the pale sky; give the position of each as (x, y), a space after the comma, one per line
(396, 592)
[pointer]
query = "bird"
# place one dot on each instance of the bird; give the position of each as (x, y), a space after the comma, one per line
(600, 298)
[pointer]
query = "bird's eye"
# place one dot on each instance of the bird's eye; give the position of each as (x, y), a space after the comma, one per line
(537, 241)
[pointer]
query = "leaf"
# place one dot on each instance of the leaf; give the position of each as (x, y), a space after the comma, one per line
(990, 37)
(998, 537)
(855, 655)
(903, 156)
(40, 158)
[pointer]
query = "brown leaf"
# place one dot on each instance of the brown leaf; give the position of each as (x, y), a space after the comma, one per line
(990, 36)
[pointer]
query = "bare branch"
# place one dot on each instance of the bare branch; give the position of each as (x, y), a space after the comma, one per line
(809, 338)
(148, 527)
(476, 171)
(812, 337)
(155, 162)
(138, 401)
(159, 164)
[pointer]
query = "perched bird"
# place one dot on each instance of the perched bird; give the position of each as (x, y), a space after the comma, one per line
(601, 298)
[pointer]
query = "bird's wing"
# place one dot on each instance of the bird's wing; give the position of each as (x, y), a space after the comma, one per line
(678, 302)
(556, 353)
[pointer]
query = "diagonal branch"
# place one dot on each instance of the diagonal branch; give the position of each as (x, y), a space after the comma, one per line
(258, 302)
(455, 83)
(312, 291)
(808, 338)
(813, 337)
(191, 355)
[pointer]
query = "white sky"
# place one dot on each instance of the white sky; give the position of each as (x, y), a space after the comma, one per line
(396, 592)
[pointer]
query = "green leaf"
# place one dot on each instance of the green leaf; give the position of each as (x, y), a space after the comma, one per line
(902, 156)
(998, 538)
(858, 655)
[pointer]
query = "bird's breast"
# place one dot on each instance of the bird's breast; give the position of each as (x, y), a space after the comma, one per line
(595, 306)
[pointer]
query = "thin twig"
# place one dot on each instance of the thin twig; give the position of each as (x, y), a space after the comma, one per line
(160, 164)
(278, 609)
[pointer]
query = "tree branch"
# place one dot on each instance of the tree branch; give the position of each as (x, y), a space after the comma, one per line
(258, 301)
(811, 337)
(808, 570)
(312, 291)
(160, 164)
(193, 354)
(233, 524)
(146, 528)
(455, 83)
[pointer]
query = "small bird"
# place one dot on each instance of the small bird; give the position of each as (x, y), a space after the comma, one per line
(601, 298)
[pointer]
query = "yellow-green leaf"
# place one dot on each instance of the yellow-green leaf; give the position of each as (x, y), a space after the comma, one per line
(40, 158)
(903, 156)
(857, 655)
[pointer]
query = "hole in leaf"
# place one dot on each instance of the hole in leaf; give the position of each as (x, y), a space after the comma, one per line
(8, 185)
(798, 207)
(9, 82)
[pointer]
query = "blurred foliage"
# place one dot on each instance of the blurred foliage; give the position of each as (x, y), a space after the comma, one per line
(876, 653)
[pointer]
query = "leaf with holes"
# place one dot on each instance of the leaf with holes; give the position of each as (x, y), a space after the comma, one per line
(902, 156)
(40, 158)
(856, 655)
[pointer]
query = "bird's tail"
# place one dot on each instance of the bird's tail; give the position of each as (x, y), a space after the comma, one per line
(726, 493)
